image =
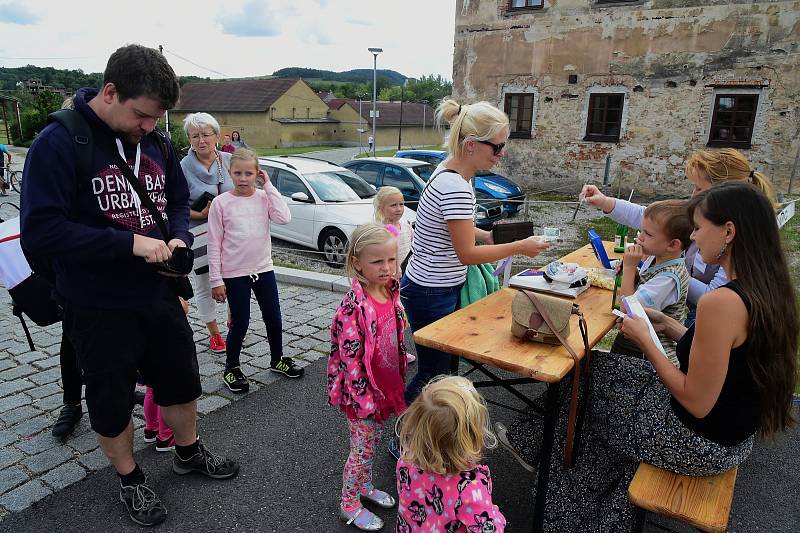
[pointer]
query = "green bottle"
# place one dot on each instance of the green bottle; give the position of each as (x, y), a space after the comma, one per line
(617, 285)
(619, 238)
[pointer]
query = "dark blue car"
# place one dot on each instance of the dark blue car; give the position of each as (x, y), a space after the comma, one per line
(410, 175)
(486, 181)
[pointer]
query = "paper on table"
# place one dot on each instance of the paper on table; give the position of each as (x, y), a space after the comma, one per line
(634, 308)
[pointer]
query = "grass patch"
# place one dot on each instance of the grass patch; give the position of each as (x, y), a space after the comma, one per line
(604, 226)
(289, 264)
(264, 152)
(790, 233)
(390, 153)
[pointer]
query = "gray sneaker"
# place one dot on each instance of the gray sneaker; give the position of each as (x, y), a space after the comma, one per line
(143, 505)
(207, 463)
(502, 437)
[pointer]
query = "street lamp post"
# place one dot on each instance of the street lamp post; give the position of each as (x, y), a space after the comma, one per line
(400, 129)
(361, 129)
(374, 52)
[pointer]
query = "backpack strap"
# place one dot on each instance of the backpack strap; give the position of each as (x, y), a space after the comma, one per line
(82, 137)
(17, 312)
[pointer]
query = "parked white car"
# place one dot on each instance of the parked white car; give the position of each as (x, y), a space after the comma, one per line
(327, 203)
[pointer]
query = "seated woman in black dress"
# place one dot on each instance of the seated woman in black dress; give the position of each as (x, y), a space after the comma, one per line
(738, 368)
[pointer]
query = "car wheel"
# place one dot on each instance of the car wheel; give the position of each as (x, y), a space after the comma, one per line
(333, 245)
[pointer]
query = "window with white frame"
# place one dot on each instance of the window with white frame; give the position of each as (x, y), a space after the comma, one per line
(519, 108)
(732, 120)
(525, 4)
(604, 120)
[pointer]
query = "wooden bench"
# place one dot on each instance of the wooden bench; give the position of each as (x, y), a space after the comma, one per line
(704, 502)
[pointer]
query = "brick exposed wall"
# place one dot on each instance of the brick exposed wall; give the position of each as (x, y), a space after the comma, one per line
(669, 57)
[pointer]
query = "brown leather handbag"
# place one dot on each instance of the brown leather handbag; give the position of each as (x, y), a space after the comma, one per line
(545, 319)
(528, 323)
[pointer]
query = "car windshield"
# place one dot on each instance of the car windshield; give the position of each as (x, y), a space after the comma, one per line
(423, 171)
(339, 186)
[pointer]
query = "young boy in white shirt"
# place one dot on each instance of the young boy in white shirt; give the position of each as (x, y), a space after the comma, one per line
(662, 282)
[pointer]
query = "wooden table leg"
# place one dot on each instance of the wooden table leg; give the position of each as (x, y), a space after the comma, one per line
(548, 436)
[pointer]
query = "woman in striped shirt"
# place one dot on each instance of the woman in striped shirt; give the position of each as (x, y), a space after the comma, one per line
(445, 234)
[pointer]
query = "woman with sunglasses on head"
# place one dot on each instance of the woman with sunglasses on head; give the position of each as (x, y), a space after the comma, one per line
(206, 171)
(446, 235)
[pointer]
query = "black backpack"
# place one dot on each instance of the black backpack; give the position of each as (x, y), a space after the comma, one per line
(34, 297)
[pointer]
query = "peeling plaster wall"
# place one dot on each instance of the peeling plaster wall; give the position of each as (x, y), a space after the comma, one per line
(669, 57)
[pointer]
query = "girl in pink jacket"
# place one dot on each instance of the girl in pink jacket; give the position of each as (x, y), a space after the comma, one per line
(446, 489)
(367, 365)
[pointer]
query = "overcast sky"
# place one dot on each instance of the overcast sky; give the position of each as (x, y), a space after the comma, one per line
(233, 38)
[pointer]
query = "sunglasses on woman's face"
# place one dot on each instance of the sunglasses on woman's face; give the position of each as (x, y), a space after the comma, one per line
(496, 148)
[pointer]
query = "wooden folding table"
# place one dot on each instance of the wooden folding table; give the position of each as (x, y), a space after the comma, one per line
(481, 334)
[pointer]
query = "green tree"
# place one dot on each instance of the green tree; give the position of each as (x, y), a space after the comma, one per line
(430, 89)
(33, 115)
(178, 138)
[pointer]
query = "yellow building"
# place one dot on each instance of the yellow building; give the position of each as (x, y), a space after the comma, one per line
(278, 112)
(268, 113)
(409, 124)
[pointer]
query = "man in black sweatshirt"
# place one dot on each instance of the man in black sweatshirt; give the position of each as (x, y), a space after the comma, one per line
(119, 312)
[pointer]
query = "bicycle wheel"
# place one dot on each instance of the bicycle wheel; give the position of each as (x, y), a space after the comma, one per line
(15, 179)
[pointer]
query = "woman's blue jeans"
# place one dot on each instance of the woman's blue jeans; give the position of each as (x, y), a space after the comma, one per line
(423, 306)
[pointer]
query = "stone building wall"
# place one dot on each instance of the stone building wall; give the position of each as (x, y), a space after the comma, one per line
(670, 58)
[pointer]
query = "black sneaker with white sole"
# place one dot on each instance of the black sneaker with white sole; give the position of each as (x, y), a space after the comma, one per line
(236, 380)
(207, 463)
(143, 505)
(287, 367)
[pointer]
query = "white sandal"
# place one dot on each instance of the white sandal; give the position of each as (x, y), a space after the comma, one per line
(378, 497)
(362, 518)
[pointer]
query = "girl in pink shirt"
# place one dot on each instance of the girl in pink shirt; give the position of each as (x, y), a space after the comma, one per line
(367, 365)
(445, 488)
(240, 261)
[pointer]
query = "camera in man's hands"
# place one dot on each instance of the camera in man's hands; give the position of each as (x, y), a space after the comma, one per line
(179, 264)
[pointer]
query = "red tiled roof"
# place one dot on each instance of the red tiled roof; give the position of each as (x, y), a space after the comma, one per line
(336, 103)
(238, 95)
(389, 112)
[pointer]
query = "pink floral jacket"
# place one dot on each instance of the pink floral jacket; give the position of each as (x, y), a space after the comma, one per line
(447, 503)
(351, 385)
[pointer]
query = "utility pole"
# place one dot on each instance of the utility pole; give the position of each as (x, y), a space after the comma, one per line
(166, 115)
(400, 130)
(374, 52)
(360, 127)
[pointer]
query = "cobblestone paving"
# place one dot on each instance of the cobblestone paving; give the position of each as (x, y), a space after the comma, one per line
(34, 464)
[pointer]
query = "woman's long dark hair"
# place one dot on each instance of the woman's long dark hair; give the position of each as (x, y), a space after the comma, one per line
(759, 262)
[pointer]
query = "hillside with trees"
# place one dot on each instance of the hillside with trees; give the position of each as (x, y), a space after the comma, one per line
(351, 84)
(361, 75)
(69, 80)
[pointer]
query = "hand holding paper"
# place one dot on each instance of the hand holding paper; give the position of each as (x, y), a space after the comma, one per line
(636, 325)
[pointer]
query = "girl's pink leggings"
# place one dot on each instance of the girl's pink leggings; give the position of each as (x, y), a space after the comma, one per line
(153, 419)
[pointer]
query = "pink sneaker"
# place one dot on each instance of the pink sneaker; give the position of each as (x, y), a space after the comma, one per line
(217, 344)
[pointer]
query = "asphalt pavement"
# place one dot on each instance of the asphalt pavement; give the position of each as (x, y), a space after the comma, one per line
(292, 447)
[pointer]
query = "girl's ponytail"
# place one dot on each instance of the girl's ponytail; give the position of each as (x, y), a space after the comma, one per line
(761, 181)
